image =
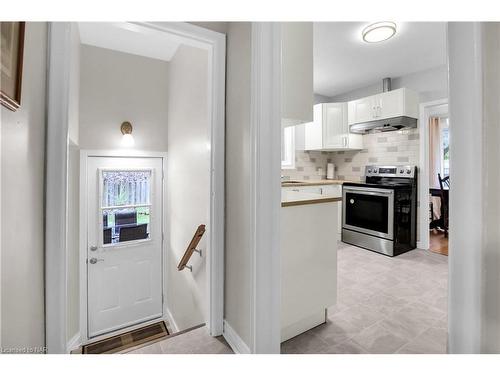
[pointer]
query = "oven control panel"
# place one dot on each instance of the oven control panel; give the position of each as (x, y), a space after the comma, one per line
(406, 171)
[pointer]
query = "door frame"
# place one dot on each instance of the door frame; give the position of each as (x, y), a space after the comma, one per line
(57, 145)
(265, 192)
(83, 238)
(427, 109)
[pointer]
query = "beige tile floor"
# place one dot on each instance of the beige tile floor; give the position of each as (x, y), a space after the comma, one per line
(385, 305)
(197, 341)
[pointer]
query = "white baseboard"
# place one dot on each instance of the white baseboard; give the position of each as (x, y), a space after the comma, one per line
(73, 343)
(234, 340)
(171, 320)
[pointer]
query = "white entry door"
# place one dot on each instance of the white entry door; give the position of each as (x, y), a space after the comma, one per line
(124, 252)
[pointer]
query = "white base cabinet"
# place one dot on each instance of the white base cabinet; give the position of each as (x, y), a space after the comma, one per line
(308, 266)
(334, 190)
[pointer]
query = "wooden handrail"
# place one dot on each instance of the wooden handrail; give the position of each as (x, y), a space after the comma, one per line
(191, 248)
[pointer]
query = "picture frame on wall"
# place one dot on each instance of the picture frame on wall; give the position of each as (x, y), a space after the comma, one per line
(11, 63)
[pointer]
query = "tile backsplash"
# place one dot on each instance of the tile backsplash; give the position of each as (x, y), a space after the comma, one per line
(391, 148)
(309, 165)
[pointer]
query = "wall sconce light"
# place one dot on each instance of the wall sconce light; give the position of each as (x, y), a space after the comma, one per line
(127, 139)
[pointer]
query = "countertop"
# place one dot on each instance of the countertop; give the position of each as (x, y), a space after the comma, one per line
(286, 183)
(293, 198)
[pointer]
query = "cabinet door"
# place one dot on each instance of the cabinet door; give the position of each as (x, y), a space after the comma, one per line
(361, 110)
(312, 136)
(334, 125)
(297, 72)
(391, 104)
(313, 131)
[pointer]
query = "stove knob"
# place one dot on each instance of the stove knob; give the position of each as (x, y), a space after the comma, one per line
(369, 171)
(375, 171)
(401, 171)
(408, 171)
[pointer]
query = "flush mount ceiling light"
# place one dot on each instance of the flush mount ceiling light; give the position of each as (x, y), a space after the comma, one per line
(379, 31)
(127, 139)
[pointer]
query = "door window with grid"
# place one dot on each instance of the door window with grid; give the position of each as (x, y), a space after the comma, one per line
(125, 207)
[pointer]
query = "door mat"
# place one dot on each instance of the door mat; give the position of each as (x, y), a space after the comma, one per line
(127, 340)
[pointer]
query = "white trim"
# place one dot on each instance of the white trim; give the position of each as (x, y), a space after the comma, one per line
(171, 320)
(215, 43)
(73, 343)
(265, 194)
(1, 235)
(56, 177)
(234, 340)
(56, 187)
(427, 109)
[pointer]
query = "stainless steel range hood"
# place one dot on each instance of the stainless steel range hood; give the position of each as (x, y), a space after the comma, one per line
(385, 125)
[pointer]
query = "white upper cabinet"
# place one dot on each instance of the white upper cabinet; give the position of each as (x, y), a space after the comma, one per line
(297, 73)
(335, 119)
(330, 129)
(361, 110)
(400, 102)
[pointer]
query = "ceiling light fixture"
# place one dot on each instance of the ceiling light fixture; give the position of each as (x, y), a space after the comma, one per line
(127, 139)
(379, 31)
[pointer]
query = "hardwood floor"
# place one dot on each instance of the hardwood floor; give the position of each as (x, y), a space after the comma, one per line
(438, 243)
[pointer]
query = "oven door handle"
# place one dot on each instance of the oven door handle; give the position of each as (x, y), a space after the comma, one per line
(368, 191)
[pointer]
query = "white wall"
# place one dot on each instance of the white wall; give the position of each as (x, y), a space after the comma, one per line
(466, 201)
(474, 307)
(22, 202)
(491, 187)
(188, 183)
(430, 84)
(237, 284)
(117, 87)
(74, 86)
(238, 291)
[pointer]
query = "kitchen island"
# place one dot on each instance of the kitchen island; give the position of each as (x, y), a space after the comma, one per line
(308, 260)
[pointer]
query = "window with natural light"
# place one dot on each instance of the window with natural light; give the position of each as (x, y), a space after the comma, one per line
(125, 206)
(288, 147)
(445, 147)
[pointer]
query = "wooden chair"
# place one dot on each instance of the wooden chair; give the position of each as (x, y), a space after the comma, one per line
(444, 202)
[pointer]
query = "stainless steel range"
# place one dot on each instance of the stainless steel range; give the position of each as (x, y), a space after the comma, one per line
(381, 213)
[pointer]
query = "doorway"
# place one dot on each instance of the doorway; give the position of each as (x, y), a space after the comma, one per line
(124, 224)
(434, 154)
(439, 182)
(114, 231)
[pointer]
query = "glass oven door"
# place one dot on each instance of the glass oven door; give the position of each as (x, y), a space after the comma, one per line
(369, 210)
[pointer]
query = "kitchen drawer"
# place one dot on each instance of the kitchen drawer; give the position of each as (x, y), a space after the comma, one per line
(332, 190)
(304, 189)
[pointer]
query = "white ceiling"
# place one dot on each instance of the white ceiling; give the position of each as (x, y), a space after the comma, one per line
(129, 38)
(344, 62)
